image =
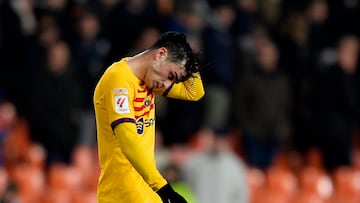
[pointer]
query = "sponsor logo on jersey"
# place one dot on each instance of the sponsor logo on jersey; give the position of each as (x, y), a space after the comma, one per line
(149, 122)
(141, 123)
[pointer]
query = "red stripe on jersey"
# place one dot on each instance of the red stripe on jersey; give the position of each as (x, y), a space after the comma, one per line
(142, 107)
(144, 114)
(139, 108)
(139, 99)
(141, 91)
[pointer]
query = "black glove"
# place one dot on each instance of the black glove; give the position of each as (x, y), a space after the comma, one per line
(168, 195)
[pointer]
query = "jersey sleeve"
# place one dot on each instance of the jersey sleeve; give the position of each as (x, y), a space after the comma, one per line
(122, 118)
(191, 89)
(119, 96)
(129, 143)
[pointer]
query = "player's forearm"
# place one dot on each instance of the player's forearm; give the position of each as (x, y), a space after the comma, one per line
(192, 89)
(137, 156)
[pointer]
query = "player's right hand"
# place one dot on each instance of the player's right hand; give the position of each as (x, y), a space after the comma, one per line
(168, 195)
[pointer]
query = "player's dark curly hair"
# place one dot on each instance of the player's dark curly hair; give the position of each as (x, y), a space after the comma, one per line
(179, 49)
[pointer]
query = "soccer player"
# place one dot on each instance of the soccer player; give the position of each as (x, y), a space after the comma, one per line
(125, 118)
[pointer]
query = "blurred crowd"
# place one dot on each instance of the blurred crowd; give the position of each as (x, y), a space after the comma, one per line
(279, 121)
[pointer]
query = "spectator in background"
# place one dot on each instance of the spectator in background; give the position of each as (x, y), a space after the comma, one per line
(337, 104)
(147, 37)
(309, 56)
(63, 14)
(102, 9)
(17, 24)
(162, 153)
(246, 19)
(317, 15)
(292, 40)
(169, 161)
(47, 33)
(184, 18)
(343, 17)
(54, 105)
(16, 136)
(218, 48)
(173, 174)
(263, 102)
(89, 49)
(269, 14)
(189, 17)
(215, 174)
(132, 16)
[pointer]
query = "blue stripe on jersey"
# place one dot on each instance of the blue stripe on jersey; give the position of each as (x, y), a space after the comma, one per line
(121, 120)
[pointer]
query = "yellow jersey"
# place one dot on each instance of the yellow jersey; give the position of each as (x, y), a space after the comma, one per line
(125, 122)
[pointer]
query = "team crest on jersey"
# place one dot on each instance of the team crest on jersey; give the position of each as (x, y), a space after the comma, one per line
(140, 125)
(147, 102)
(121, 91)
(121, 103)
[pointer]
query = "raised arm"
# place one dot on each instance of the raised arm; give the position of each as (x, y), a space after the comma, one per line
(192, 89)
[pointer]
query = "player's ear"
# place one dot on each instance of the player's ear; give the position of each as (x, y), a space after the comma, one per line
(161, 53)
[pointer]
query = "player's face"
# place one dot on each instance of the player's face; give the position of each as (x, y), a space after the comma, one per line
(163, 73)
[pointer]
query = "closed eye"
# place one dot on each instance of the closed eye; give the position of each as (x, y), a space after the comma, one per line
(171, 77)
(182, 78)
(175, 78)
